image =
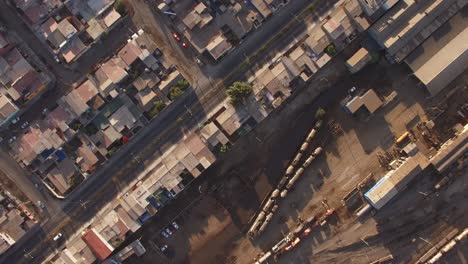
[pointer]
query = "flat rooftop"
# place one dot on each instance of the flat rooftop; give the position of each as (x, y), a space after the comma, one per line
(444, 56)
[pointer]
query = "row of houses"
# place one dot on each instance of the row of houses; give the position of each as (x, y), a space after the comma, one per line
(215, 29)
(69, 27)
(292, 67)
(157, 185)
(179, 163)
(15, 221)
(20, 81)
(100, 115)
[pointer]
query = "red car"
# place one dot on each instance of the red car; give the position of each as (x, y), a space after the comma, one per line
(306, 232)
(184, 45)
(176, 36)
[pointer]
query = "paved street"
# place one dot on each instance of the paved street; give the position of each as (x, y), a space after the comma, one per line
(118, 172)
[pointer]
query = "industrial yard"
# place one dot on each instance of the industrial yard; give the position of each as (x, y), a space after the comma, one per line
(351, 158)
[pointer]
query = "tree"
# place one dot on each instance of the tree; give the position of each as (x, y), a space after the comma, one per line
(178, 89)
(120, 7)
(224, 148)
(157, 108)
(239, 91)
(182, 84)
(319, 113)
(175, 92)
(330, 50)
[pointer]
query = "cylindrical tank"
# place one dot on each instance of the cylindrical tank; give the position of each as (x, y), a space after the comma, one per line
(269, 217)
(275, 193)
(299, 172)
(296, 176)
(263, 226)
(282, 183)
(304, 147)
(435, 258)
(363, 210)
(291, 183)
(317, 151)
(308, 161)
(260, 216)
(254, 227)
(284, 193)
(274, 208)
(296, 159)
(268, 205)
(289, 170)
(264, 258)
(311, 135)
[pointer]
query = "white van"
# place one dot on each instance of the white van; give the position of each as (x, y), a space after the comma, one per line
(58, 236)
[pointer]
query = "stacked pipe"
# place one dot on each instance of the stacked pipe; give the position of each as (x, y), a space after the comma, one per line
(286, 183)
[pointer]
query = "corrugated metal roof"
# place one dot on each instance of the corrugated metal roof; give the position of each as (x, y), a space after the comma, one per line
(449, 152)
(396, 180)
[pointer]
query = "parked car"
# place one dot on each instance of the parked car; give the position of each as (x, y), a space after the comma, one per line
(175, 225)
(164, 234)
(58, 237)
(168, 231)
(12, 139)
(163, 248)
(176, 37)
(199, 61)
(15, 120)
(24, 125)
(184, 45)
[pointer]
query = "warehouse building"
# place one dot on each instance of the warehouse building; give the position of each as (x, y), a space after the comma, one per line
(443, 56)
(408, 23)
(396, 181)
(360, 59)
(451, 151)
(369, 101)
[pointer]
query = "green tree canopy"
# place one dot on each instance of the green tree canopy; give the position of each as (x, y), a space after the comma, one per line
(320, 113)
(239, 91)
(120, 7)
(178, 89)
